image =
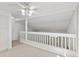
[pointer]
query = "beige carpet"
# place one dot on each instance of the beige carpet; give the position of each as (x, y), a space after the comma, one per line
(23, 50)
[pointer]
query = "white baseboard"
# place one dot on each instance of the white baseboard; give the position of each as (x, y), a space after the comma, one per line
(3, 49)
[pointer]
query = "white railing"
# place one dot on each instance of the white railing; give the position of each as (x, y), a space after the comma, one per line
(65, 41)
(58, 40)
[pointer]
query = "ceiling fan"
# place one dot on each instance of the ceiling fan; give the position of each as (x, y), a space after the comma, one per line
(30, 9)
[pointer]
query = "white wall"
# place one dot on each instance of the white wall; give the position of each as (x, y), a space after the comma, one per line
(30, 29)
(16, 28)
(72, 26)
(4, 30)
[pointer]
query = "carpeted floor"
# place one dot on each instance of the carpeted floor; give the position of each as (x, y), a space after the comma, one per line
(23, 50)
(15, 43)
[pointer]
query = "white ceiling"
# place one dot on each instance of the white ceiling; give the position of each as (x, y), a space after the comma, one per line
(12, 8)
(51, 16)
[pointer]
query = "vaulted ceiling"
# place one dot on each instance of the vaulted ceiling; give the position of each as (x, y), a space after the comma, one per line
(50, 16)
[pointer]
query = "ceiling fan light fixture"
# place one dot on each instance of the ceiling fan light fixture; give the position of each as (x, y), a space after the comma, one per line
(32, 7)
(23, 12)
(30, 13)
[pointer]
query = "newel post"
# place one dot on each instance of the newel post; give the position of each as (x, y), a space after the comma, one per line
(77, 32)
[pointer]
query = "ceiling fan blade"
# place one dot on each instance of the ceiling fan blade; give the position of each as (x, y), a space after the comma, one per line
(32, 12)
(35, 12)
(19, 4)
(32, 7)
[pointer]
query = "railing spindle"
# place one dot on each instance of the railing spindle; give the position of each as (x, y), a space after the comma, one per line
(69, 43)
(52, 41)
(55, 41)
(61, 42)
(45, 39)
(73, 44)
(65, 43)
(58, 41)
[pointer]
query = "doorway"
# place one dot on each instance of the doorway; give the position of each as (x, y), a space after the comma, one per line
(17, 27)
